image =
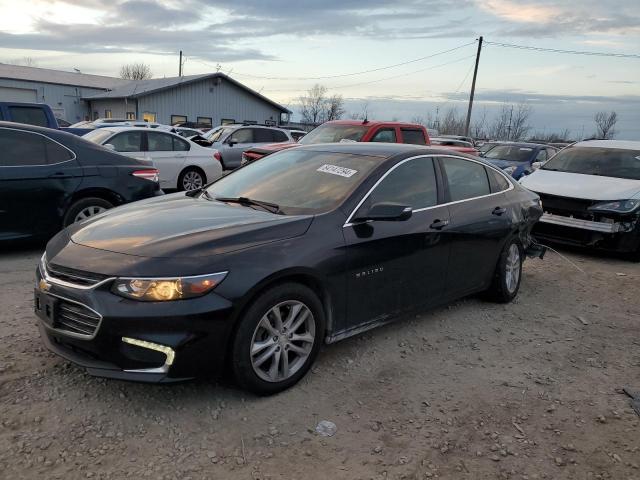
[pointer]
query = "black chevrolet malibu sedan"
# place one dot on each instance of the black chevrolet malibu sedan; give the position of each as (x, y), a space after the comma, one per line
(254, 272)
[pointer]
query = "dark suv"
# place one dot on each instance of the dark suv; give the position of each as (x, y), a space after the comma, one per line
(50, 179)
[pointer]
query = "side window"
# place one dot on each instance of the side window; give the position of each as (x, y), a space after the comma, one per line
(542, 156)
(21, 148)
(159, 142)
(29, 115)
(497, 181)
(385, 135)
(279, 136)
(413, 136)
(243, 135)
(466, 179)
(413, 184)
(56, 153)
(262, 135)
(126, 141)
(180, 145)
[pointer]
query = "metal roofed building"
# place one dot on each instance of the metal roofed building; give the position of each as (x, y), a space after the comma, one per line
(213, 98)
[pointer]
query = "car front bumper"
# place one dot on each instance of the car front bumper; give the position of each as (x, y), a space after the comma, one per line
(114, 337)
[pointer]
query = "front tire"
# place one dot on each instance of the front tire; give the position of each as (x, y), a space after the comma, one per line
(508, 273)
(278, 339)
(85, 208)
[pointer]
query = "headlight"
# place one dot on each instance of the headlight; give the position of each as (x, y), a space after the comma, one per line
(166, 289)
(509, 170)
(618, 206)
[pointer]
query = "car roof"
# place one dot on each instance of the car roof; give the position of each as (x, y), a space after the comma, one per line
(383, 150)
(50, 132)
(621, 144)
(372, 123)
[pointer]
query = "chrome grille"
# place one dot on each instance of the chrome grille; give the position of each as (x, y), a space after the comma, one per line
(76, 318)
(76, 277)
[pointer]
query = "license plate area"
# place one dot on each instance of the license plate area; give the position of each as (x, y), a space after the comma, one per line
(45, 307)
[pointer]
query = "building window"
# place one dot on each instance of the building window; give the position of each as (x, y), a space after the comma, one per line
(149, 116)
(107, 114)
(131, 115)
(250, 122)
(227, 121)
(95, 115)
(270, 123)
(205, 121)
(178, 119)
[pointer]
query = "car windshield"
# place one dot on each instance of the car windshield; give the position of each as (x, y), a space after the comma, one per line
(485, 147)
(332, 133)
(299, 181)
(608, 162)
(98, 136)
(511, 153)
(215, 135)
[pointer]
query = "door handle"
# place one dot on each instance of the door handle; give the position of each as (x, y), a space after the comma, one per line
(59, 175)
(439, 224)
(499, 211)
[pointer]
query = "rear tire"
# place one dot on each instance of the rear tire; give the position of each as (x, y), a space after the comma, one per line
(508, 273)
(85, 208)
(278, 339)
(191, 179)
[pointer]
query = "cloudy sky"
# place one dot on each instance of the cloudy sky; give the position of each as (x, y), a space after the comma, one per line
(281, 48)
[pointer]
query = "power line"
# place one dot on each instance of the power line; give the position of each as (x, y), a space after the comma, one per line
(387, 67)
(558, 50)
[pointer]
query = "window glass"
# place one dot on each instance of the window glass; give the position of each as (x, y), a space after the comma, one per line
(244, 135)
(299, 181)
(262, 135)
(385, 135)
(130, 116)
(542, 156)
(159, 142)
(29, 115)
(331, 132)
(205, 120)
(606, 162)
(511, 153)
(21, 148)
(107, 114)
(466, 179)
(178, 119)
(227, 121)
(149, 116)
(412, 184)
(412, 136)
(497, 181)
(126, 141)
(180, 145)
(56, 153)
(279, 136)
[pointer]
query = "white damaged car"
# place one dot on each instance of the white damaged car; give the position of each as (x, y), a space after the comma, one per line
(590, 194)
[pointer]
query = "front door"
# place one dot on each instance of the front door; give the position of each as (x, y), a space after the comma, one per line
(128, 143)
(394, 266)
(236, 143)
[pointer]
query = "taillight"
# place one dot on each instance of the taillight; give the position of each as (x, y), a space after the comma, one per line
(217, 156)
(150, 174)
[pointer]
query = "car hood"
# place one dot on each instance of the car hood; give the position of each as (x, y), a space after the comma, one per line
(181, 226)
(577, 185)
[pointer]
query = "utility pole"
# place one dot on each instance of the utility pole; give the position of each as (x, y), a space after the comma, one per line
(509, 127)
(180, 65)
(473, 88)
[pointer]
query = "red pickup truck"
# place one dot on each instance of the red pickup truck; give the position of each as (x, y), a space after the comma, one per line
(349, 131)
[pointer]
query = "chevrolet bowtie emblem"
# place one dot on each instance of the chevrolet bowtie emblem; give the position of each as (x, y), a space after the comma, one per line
(44, 286)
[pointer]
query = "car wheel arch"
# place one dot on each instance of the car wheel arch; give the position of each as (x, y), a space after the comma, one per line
(109, 195)
(186, 168)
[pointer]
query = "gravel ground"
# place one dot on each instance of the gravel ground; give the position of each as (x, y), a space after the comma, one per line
(472, 390)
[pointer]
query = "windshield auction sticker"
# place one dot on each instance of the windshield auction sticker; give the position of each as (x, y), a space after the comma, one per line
(335, 170)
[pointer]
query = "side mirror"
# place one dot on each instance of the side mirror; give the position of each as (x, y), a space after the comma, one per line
(536, 165)
(389, 212)
(109, 146)
(230, 142)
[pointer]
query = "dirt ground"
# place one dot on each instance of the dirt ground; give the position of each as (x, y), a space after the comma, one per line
(529, 390)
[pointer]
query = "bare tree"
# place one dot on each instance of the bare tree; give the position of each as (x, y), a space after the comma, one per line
(334, 109)
(312, 106)
(452, 123)
(478, 126)
(25, 61)
(135, 71)
(519, 126)
(605, 124)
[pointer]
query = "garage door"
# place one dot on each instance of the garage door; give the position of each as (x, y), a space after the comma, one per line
(9, 94)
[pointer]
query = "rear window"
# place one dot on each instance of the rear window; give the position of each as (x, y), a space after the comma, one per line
(511, 153)
(413, 136)
(497, 181)
(607, 162)
(29, 115)
(332, 133)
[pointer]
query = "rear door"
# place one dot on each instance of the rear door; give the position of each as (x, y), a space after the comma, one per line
(413, 136)
(480, 222)
(169, 155)
(386, 135)
(394, 266)
(37, 179)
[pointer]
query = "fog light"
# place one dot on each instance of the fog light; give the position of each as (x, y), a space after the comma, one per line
(170, 354)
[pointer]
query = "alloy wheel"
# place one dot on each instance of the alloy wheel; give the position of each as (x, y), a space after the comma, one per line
(282, 341)
(513, 268)
(88, 212)
(191, 180)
